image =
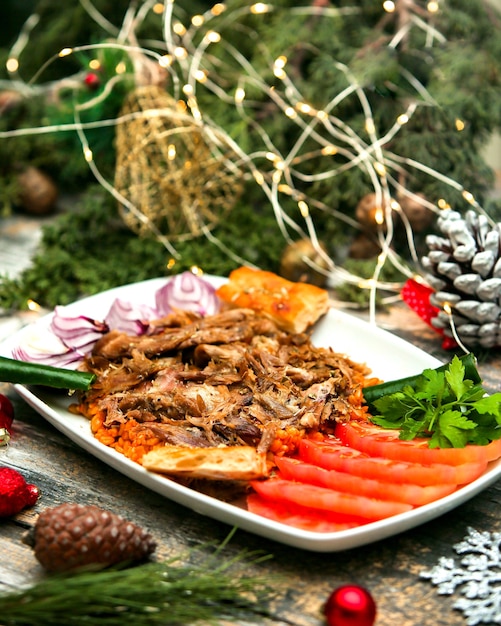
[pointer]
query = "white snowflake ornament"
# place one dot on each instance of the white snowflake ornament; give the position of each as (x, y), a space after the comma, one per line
(477, 577)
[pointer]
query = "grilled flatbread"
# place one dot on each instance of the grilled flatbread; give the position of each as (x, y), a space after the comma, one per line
(294, 307)
(223, 463)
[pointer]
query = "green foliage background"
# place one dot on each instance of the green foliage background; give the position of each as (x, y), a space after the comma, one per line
(89, 249)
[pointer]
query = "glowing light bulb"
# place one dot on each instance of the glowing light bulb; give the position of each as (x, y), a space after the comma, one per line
(432, 6)
(213, 37)
(218, 9)
(468, 196)
(389, 6)
(12, 65)
(65, 52)
(200, 76)
(179, 29)
(259, 7)
(180, 52)
(239, 95)
(165, 60)
(304, 208)
(197, 20)
(32, 305)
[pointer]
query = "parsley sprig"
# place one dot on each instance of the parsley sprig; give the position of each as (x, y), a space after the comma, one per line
(443, 405)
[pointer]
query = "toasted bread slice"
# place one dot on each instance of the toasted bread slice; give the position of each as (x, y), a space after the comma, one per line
(292, 306)
(222, 463)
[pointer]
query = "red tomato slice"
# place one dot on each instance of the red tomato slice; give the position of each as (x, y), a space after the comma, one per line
(332, 455)
(327, 499)
(377, 441)
(294, 469)
(300, 516)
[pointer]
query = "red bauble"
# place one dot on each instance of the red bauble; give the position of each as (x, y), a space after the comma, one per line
(92, 80)
(15, 492)
(6, 413)
(350, 605)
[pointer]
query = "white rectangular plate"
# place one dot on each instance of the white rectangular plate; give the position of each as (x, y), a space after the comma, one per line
(388, 356)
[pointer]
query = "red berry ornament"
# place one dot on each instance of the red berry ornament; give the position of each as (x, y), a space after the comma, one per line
(6, 412)
(350, 605)
(92, 80)
(6, 419)
(15, 493)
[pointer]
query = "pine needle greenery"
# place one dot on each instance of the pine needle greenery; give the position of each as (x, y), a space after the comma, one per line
(89, 249)
(152, 593)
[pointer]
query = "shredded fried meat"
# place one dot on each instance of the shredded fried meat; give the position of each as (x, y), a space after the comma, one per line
(228, 379)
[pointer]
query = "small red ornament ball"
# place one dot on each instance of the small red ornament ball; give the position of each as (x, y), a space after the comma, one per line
(350, 605)
(92, 80)
(15, 493)
(6, 412)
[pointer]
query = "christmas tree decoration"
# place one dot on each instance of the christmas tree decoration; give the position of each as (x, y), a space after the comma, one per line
(167, 169)
(301, 261)
(350, 605)
(463, 268)
(196, 588)
(70, 536)
(38, 193)
(476, 577)
(15, 493)
(6, 419)
(305, 129)
(92, 80)
(6, 412)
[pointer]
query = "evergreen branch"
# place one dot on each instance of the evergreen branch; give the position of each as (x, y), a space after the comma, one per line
(152, 593)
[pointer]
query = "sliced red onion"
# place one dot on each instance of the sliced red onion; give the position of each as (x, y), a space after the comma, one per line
(129, 318)
(42, 346)
(187, 292)
(78, 333)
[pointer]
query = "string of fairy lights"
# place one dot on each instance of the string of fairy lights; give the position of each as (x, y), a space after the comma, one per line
(183, 53)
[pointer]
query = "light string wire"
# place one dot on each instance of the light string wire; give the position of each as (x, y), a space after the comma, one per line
(189, 65)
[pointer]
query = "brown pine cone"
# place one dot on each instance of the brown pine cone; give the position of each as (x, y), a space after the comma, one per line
(70, 536)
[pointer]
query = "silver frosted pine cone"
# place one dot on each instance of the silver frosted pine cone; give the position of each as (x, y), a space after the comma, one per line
(463, 267)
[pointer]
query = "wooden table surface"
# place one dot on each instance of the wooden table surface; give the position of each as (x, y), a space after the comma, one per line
(390, 568)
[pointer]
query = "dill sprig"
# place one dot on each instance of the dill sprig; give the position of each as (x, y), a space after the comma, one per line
(165, 592)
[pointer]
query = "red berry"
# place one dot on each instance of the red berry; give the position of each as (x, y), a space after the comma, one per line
(15, 493)
(92, 80)
(350, 605)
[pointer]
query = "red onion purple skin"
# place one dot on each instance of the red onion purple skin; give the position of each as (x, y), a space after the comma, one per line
(70, 358)
(129, 318)
(78, 333)
(187, 292)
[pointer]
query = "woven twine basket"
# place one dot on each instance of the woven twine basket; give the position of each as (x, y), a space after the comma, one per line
(179, 181)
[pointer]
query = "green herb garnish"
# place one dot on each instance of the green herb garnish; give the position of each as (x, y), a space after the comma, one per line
(444, 405)
(24, 373)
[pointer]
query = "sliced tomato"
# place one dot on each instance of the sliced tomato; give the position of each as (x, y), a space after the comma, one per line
(333, 455)
(300, 516)
(377, 441)
(416, 495)
(324, 499)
